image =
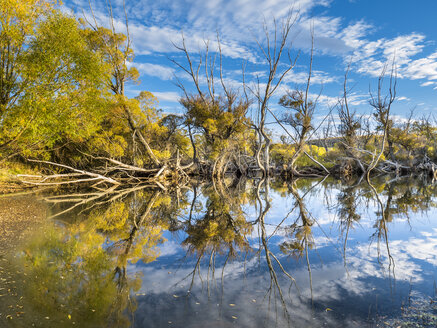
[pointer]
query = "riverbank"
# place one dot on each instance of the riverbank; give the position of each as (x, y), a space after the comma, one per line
(9, 182)
(18, 215)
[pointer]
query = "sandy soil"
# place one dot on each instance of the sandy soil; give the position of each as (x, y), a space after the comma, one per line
(18, 214)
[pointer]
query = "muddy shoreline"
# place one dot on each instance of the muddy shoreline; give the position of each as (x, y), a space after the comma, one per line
(19, 214)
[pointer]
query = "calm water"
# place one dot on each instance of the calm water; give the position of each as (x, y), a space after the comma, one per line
(237, 254)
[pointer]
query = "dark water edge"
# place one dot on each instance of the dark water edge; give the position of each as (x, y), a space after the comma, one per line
(308, 253)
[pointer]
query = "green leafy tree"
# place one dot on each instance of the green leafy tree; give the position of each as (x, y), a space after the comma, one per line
(50, 79)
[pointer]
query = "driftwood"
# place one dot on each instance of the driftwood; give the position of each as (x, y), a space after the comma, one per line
(62, 179)
(112, 172)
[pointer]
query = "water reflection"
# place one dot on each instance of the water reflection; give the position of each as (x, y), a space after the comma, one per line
(253, 253)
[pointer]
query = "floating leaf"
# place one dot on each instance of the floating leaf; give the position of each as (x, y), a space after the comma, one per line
(234, 317)
(328, 309)
(69, 317)
(231, 304)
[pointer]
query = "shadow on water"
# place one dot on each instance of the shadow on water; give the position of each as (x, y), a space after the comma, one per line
(246, 253)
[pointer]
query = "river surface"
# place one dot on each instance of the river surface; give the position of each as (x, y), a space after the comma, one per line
(309, 253)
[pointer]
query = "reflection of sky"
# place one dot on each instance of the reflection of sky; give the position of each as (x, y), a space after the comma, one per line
(354, 287)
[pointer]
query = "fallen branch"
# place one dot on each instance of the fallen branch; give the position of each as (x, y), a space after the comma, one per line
(93, 176)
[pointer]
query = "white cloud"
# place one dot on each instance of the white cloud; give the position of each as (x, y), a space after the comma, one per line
(423, 68)
(169, 96)
(352, 35)
(155, 26)
(372, 56)
(426, 84)
(160, 71)
(317, 77)
(402, 48)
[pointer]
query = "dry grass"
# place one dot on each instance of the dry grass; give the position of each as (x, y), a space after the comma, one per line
(9, 183)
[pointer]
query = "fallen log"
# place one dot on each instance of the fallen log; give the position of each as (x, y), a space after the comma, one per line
(44, 178)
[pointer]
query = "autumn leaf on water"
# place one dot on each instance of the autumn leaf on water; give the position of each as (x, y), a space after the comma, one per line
(231, 304)
(328, 309)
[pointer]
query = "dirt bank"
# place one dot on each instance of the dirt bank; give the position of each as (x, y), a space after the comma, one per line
(18, 214)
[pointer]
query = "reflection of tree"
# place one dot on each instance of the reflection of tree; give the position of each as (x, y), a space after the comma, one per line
(81, 269)
(394, 198)
(137, 243)
(381, 233)
(300, 233)
(347, 213)
(71, 277)
(397, 198)
(263, 208)
(137, 238)
(218, 228)
(406, 196)
(222, 227)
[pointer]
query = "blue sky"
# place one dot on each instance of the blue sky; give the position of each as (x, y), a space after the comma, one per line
(367, 33)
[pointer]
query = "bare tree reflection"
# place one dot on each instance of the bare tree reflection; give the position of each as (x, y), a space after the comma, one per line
(348, 202)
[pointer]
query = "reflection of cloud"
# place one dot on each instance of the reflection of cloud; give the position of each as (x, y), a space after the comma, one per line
(248, 296)
(347, 287)
(377, 265)
(423, 249)
(169, 248)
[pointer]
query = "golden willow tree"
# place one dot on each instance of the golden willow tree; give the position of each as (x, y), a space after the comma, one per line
(63, 99)
(133, 130)
(50, 80)
(126, 115)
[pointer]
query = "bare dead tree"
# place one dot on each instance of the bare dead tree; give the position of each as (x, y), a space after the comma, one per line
(382, 106)
(301, 117)
(349, 127)
(272, 49)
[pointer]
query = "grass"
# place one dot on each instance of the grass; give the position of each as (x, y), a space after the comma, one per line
(9, 181)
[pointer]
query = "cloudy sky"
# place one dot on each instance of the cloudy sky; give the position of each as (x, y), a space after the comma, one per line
(366, 33)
